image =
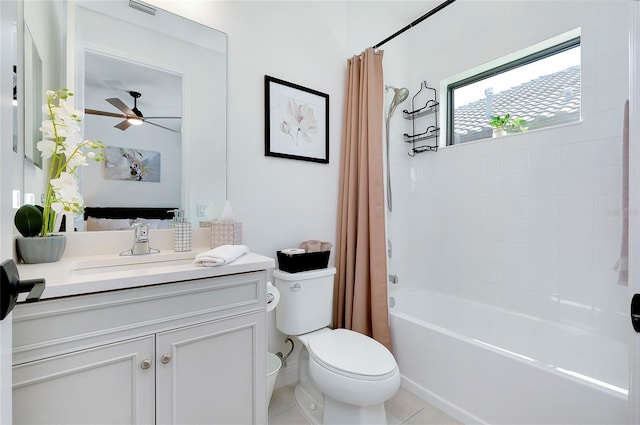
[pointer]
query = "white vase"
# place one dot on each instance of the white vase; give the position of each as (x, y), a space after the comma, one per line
(499, 132)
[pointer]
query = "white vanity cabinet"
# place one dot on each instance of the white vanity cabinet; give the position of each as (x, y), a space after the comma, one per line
(105, 384)
(175, 353)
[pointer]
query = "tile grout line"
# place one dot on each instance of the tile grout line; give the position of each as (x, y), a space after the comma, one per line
(409, 418)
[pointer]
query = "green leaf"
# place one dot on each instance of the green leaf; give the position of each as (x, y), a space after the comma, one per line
(28, 220)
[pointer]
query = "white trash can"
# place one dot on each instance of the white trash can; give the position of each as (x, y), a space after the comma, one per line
(273, 367)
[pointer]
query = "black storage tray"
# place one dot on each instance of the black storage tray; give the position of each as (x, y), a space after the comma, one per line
(294, 263)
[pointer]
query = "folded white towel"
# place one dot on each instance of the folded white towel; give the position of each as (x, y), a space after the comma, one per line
(219, 256)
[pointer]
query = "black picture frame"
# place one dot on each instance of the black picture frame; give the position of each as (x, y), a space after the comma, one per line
(296, 121)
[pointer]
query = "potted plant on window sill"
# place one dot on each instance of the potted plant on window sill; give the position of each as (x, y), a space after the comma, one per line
(63, 146)
(506, 124)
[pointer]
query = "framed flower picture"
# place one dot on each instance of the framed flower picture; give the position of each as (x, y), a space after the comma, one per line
(296, 121)
(131, 164)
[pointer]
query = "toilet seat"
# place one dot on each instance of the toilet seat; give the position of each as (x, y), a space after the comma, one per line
(353, 355)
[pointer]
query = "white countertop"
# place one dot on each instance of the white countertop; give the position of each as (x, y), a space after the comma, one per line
(97, 273)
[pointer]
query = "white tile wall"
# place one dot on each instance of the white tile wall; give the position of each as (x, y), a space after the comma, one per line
(530, 222)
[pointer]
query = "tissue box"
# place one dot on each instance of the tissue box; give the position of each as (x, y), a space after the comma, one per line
(294, 263)
(226, 233)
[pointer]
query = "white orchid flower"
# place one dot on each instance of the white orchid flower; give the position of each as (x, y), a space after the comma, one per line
(76, 160)
(65, 181)
(46, 148)
(62, 141)
(71, 199)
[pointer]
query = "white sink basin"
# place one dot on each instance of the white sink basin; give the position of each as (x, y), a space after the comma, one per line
(117, 263)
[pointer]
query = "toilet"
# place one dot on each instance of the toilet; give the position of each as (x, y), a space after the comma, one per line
(344, 377)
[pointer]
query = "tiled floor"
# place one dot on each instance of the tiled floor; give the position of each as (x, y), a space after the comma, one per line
(403, 408)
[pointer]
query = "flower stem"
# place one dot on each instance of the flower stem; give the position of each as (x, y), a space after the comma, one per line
(49, 216)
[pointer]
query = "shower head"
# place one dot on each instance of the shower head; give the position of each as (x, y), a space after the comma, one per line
(399, 96)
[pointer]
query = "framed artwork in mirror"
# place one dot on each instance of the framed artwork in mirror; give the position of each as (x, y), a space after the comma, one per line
(131, 164)
(296, 121)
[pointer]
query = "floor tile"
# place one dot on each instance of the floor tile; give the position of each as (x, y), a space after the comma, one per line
(431, 416)
(291, 416)
(282, 399)
(405, 408)
(404, 405)
(393, 420)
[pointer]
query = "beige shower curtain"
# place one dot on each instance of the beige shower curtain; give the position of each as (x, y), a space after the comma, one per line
(360, 296)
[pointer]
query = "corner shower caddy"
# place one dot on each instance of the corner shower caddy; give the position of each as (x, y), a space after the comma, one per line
(429, 110)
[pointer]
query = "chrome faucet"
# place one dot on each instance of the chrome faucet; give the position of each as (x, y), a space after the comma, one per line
(141, 241)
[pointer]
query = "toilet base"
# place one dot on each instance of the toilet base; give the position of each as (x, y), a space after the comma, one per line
(310, 407)
(337, 412)
(329, 411)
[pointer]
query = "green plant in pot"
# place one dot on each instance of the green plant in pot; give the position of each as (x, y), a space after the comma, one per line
(64, 151)
(503, 124)
(32, 248)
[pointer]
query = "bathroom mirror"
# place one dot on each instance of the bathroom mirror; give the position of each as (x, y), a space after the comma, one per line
(178, 69)
(173, 71)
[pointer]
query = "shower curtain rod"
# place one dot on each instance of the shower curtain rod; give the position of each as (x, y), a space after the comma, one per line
(416, 22)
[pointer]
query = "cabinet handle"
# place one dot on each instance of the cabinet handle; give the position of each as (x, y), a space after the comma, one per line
(165, 358)
(146, 364)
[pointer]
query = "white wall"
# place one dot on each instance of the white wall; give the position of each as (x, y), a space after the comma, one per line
(528, 222)
(283, 202)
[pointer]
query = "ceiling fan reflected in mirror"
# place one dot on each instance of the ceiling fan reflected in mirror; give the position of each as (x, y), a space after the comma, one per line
(131, 116)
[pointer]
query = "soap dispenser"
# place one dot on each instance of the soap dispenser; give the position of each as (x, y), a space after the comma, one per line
(181, 231)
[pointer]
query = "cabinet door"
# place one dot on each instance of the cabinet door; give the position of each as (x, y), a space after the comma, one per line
(111, 384)
(213, 373)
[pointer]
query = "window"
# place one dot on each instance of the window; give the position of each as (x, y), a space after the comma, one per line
(543, 89)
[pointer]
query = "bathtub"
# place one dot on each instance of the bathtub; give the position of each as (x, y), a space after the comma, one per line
(482, 364)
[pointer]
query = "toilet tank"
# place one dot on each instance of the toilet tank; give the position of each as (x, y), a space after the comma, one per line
(306, 300)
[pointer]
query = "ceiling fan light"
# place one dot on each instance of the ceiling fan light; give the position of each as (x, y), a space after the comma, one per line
(134, 121)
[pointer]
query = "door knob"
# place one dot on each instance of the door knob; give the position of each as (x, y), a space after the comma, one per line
(11, 286)
(635, 312)
(146, 364)
(165, 358)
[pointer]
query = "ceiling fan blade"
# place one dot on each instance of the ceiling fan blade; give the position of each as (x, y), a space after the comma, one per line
(120, 105)
(123, 125)
(163, 118)
(161, 126)
(104, 113)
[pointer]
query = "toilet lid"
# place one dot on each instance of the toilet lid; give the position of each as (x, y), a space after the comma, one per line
(352, 353)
